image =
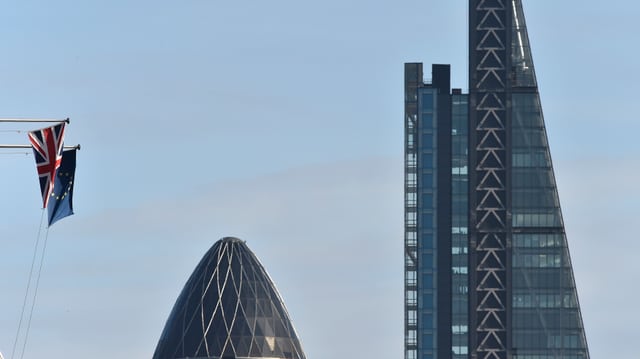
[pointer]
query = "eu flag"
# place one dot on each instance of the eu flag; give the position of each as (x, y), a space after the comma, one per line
(60, 203)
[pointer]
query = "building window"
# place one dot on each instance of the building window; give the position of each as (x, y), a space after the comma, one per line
(426, 160)
(427, 101)
(412, 218)
(427, 240)
(411, 278)
(427, 281)
(427, 320)
(459, 270)
(412, 317)
(427, 301)
(427, 341)
(412, 337)
(412, 297)
(426, 121)
(411, 160)
(426, 180)
(411, 199)
(427, 220)
(427, 200)
(410, 141)
(459, 329)
(412, 179)
(460, 350)
(412, 239)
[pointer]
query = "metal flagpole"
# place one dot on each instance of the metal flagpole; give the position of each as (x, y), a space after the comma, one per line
(77, 147)
(33, 120)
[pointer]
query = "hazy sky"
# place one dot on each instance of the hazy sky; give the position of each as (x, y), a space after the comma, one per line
(280, 122)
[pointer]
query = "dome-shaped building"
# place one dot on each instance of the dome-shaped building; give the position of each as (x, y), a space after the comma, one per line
(229, 309)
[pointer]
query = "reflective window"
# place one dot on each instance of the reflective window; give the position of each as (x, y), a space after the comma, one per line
(543, 298)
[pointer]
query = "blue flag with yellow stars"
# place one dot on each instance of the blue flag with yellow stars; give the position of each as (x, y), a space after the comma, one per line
(60, 203)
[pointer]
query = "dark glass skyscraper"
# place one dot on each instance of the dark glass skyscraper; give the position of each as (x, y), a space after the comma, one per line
(487, 268)
(229, 309)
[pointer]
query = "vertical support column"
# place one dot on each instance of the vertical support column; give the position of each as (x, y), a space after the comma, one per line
(489, 21)
(413, 79)
(442, 83)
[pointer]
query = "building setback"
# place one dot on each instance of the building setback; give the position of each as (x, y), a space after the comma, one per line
(487, 268)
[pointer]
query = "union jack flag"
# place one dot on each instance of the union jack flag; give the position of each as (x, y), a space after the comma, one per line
(47, 148)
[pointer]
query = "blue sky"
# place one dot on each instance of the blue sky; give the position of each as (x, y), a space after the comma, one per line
(281, 123)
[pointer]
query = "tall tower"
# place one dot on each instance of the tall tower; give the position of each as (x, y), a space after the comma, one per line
(487, 267)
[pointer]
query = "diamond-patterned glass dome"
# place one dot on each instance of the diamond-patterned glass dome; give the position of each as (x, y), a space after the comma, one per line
(229, 308)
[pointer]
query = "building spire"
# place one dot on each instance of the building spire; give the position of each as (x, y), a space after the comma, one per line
(523, 73)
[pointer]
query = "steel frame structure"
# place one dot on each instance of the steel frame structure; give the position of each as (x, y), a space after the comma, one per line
(489, 222)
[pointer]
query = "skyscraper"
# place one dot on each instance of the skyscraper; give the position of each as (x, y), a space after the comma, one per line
(229, 308)
(487, 268)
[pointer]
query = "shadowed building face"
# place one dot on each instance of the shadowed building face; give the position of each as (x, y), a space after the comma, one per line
(229, 308)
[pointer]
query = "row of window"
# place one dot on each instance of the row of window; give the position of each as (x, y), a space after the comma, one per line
(411, 299)
(537, 260)
(529, 137)
(523, 300)
(550, 356)
(460, 349)
(532, 177)
(411, 220)
(526, 111)
(536, 219)
(542, 339)
(539, 158)
(411, 279)
(551, 278)
(426, 141)
(537, 197)
(426, 199)
(546, 319)
(535, 240)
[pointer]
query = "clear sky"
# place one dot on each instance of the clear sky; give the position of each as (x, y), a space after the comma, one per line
(280, 122)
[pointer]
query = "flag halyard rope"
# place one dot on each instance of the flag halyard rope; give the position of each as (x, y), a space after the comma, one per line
(35, 293)
(26, 293)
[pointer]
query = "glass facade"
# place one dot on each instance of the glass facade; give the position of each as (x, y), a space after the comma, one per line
(459, 229)
(229, 308)
(546, 321)
(427, 222)
(487, 268)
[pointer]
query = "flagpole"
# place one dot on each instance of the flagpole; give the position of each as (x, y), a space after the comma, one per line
(34, 120)
(76, 147)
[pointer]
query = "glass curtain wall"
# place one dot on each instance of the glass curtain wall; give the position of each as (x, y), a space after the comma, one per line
(427, 249)
(546, 317)
(459, 229)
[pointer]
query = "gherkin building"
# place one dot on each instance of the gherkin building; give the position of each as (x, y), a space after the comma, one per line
(229, 309)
